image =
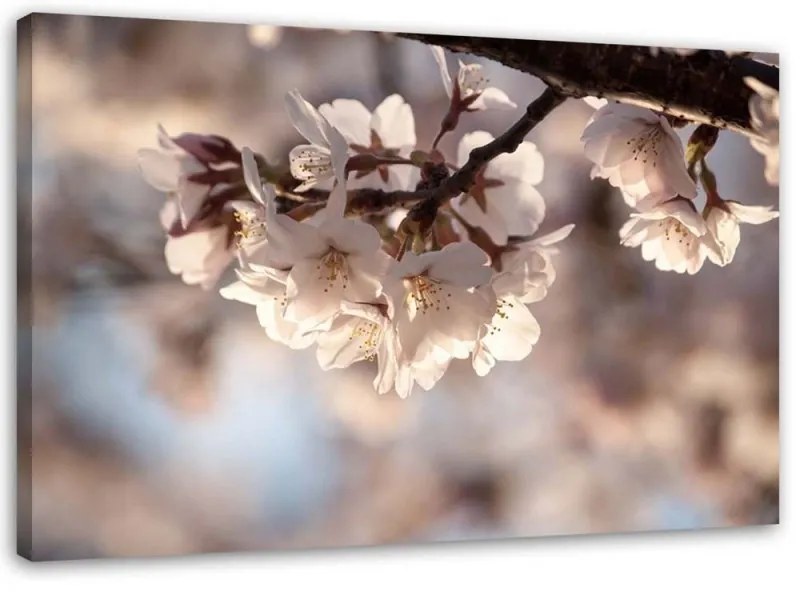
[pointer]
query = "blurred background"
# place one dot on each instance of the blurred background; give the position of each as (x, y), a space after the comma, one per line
(165, 422)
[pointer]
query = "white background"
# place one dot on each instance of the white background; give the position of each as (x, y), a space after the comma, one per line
(744, 559)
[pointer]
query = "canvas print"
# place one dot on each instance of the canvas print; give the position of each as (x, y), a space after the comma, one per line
(286, 288)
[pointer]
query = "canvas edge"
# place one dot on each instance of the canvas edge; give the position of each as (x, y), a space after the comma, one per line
(24, 310)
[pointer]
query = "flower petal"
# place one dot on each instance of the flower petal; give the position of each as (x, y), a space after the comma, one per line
(350, 236)
(438, 55)
(471, 141)
(160, 169)
(521, 206)
(513, 331)
(556, 236)
(524, 164)
(190, 198)
(252, 178)
(311, 297)
(493, 98)
(492, 221)
(461, 264)
(271, 318)
(752, 214)
(350, 117)
(305, 119)
(344, 343)
(393, 121)
(199, 257)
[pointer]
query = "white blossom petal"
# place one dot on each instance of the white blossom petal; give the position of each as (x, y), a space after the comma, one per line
(751, 214)
(305, 119)
(460, 264)
(199, 257)
(271, 317)
(350, 117)
(160, 169)
(393, 121)
(438, 55)
(524, 164)
(493, 98)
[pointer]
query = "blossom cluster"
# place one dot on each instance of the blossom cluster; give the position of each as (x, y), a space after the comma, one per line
(639, 152)
(412, 297)
(421, 278)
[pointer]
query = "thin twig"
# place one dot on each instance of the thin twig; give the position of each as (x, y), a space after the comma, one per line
(462, 179)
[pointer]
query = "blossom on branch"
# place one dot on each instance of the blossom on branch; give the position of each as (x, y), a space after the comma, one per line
(265, 288)
(637, 151)
(437, 310)
(424, 261)
(723, 218)
(470, 88)
(201, 256)
(361, 332)
(340, 259)
(325, 156)
(503, 199)
(671, 234)
(386, 134)
(526, 273)
(188, 168)
(201, 176)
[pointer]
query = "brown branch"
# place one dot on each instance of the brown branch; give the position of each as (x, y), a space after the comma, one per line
(703, 87)
(462, 179)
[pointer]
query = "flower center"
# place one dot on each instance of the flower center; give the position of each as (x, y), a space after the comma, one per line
(311, 163)
(368, 334)
(674, 230)
(645, 146)
(251, 228)
(332, 268)
(471, 80)
(426, 294)
(501, 314)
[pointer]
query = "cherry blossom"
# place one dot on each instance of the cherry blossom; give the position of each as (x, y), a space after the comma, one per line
(464, 270)
(325, 157)
(470, 88)
(361, 332)
(672, 234)
(199, 257)
(265, 288)
(387, 133)
(527, 266)
(723, 218)
(437, 311)
(338, 260)
(510, 335)
(638, 151)
(342, 260)
(503, 200)
(264, 236)
(765, 118)
(182, 167)
(526, 274)
(265, 36)
(425, 372)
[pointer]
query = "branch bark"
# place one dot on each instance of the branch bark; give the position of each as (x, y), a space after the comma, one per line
(703, 87)
(461, 181)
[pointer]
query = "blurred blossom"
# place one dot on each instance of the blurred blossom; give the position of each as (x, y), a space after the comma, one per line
(264, 36)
